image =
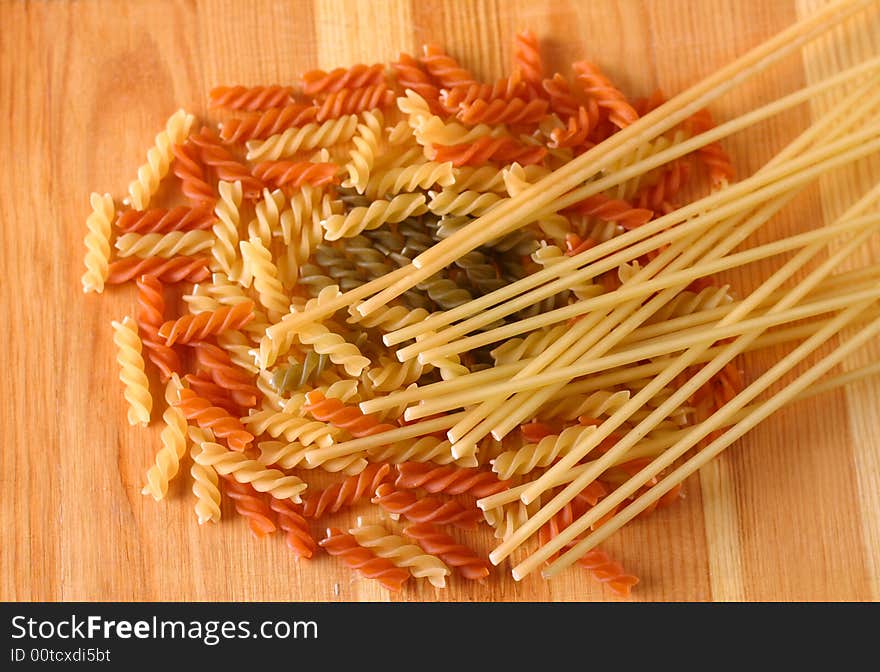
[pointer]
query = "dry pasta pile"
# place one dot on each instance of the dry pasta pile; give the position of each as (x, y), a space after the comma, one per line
(468, 304)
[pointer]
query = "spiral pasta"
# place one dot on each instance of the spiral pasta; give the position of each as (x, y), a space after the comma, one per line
(411, 75)
(224, 164)
(614, 210)
(357, 76)
(454, 203)
(291, 426)
(164, 245)
(188, 167)
(609, 98)
(527, 57)
(349, 418)
(366, 562)
(225, 229)
(501, 149)
(258, 260)
(458, 556)
(250, 505)
(391, 375)
(97, 242)
(513, 111)
(607, 571)
(251, 98)
(378, 213)
(450, 480)
(150, 316)
(245, 470)
(174, 445)
(444, 69)
(299, 374)
(191, 328)
(216, 419)
(346, 493)
(174, 270)
(163, 220)
(159, 157)
(131, 371)
(296, 530)
(269, 122)
(293, 454)
(224, 372)
(366, 146)
(402, 553)
(294, 174)
(541, 454)
(310, 136)
(425, 509)
(205, 485)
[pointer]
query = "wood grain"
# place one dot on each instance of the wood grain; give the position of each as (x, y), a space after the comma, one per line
(790, 513)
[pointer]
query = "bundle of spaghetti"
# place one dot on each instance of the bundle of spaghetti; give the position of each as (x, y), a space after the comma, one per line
(159, 157)
(131, 371)
(251, 505)
(410, 75)
(449, 480)
(171, 271)
(338, 414)
(165, 245)
(347, 492)
(252, 98)
(262, 125)
(297, 535)
(346, 102)
(425, 509)
(174, 444)
(293, 140)
(402, 553)
(711, 155)
(163, 220)
(294, 174)
(246, 470)
(224, 165)
(188, 167)
(362, 559)
(458, 556)
(190, 328)
(216, 419)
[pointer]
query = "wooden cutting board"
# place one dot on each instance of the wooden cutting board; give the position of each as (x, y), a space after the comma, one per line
(791, 512)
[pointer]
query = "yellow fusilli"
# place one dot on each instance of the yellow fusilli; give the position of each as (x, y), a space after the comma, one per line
(131, 373)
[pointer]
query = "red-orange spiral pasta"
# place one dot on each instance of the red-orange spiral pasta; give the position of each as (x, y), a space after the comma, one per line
(448, 479)
(210, 391)
(214, 418)
(261, 125)
(338, 414)
(612, 210)
(356, 77)
(527, 57)
(607, 571)
(574, 244)
(652, 102)
(562, 101)
(150, 314)
(251, 505)
(210, 323)
(347, 492)
(296, 530)
(506, 88)
(163, 220)
(659, 197)
(436, 542)
(534, 431)
(513, 111)
(712, 155)
(487, 148)
(426, 509)
(251, 98)
(579, 128)
(217, 364)
(445, 70)
(362, 559)
(353, 101)
(226, 166)
(598, 86)
(294, 174)
(175, 269)
(411, 75)
(189, 169)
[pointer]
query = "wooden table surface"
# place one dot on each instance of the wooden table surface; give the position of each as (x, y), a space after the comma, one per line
(791, 512)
